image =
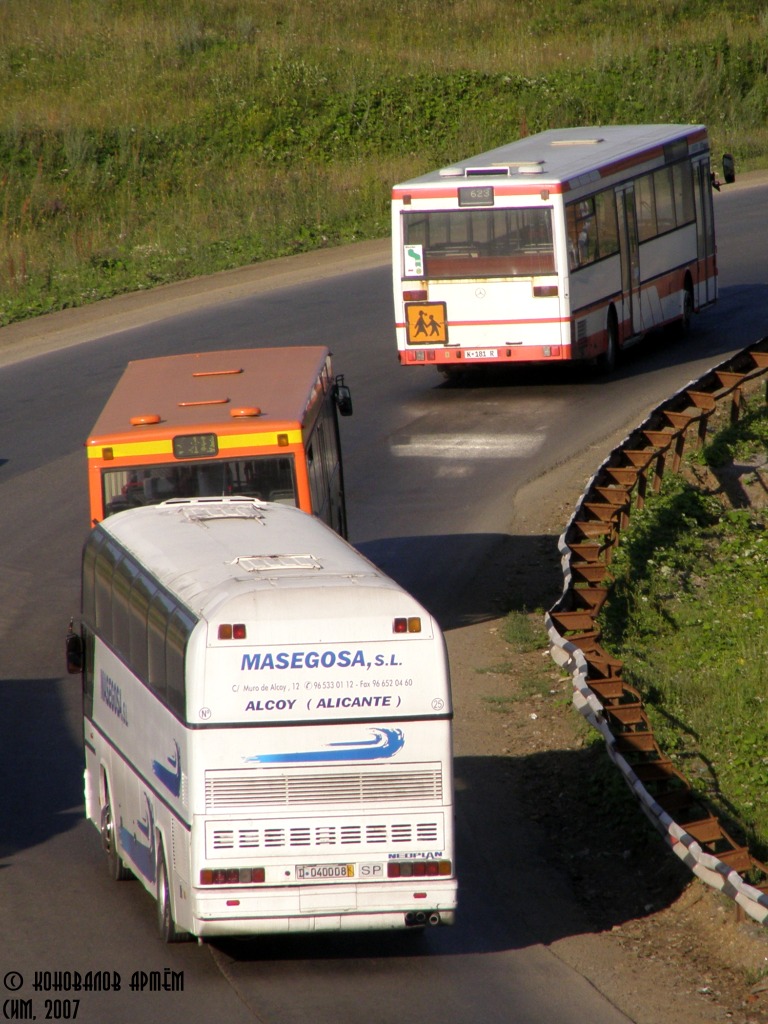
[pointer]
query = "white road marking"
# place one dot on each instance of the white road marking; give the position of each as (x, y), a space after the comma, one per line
(471, 446)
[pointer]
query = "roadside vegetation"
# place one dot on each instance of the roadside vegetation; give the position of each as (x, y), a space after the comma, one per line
(688, 615)
(146, 142)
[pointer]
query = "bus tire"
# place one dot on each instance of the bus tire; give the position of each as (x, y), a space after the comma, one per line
(606, 361)
(165, 923)
(117, 869)
(686, 316)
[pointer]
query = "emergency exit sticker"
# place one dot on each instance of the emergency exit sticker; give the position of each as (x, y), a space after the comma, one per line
(413, 260)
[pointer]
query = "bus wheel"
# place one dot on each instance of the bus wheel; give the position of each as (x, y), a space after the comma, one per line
(165, 923)
(684, 323)
(117, 869)
(606, 361)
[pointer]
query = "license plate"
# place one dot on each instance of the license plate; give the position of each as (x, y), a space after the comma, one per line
(481, 353)
(315, 871)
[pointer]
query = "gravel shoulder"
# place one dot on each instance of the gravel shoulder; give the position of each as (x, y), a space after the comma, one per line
(656, 941)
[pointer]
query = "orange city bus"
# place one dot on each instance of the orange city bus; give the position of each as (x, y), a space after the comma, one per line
(567, 245)
(258, 422)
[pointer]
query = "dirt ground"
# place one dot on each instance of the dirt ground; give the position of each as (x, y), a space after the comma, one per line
(660, 944)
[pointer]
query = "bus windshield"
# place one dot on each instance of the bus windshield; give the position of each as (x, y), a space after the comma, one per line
(269, 478)
(483, 243)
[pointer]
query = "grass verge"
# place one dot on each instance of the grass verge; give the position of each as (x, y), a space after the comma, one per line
(142, 143)
(688, 615)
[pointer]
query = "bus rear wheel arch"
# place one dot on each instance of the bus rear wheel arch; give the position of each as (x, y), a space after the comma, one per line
(165, 922)
(606, 361)
(686, 307)
(117, 869)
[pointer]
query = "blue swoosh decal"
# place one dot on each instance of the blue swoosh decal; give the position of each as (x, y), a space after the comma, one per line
(170, 778)
(384, 743)
(142, 855)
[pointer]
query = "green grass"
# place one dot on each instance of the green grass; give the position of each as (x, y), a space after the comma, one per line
(145, 142)
(688, 615)
(528, 664)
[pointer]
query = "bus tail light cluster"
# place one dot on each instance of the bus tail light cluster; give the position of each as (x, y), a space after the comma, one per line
(231, 876)
(409, 625)
(232, 631)
(418, 868)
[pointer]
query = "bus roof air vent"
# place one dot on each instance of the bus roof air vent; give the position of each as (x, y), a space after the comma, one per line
(270, 563)
(487, 172)
(201, 509)
(577, 142)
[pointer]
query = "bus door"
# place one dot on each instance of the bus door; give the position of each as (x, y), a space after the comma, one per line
(631, 311)
(706, 287)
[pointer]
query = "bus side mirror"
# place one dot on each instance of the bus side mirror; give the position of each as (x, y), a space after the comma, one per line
(343, 397)
(729, 169)
(74, 649)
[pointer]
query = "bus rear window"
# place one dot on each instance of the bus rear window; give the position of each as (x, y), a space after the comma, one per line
(269, 478)
(483, 243)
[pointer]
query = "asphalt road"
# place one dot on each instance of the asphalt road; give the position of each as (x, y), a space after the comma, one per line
(433, 471)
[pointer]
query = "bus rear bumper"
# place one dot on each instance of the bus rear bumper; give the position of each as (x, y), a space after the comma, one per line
(465, 359)
(315, 910)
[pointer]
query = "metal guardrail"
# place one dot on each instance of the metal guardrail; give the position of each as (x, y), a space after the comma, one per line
(607, 701)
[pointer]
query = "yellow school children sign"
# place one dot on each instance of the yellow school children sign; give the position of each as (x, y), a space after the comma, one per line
(426, 323)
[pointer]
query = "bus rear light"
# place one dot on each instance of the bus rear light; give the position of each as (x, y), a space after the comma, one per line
(409, 625)
(415, 295)
(418, 868)
(107, 454)
(231, 876)
(282, 440)
(232, 631)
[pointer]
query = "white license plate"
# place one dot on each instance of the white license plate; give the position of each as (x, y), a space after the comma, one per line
(481, 353)
(314, 871)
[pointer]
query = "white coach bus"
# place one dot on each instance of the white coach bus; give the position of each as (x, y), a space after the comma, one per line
(567, 245)
(267, 724)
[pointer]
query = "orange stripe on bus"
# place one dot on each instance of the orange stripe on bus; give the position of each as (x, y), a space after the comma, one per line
(226, 443)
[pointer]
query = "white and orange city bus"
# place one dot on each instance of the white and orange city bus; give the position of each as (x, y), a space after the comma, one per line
(258, 422)
(567, 245)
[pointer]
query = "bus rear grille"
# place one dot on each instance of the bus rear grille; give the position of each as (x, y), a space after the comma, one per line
(231, 837)
(272, 788)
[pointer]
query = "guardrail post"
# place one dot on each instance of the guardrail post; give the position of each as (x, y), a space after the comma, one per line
(610, 703)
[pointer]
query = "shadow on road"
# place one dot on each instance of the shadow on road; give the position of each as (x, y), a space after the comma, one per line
(41, 767)
(468, 578)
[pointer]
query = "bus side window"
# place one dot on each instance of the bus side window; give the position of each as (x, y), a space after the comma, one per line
(683, 189)
(665, 203)
(105, 566)
(160, 610)
(315, 470)
(582, 233)
(646, 207)
(92, 548)
(607, 224)
(180, 625)
(125, 573)
(89, 646)
(142, 593)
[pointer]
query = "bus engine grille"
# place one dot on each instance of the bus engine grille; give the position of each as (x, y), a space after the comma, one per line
(248, 790)
(351, 836)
